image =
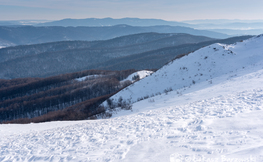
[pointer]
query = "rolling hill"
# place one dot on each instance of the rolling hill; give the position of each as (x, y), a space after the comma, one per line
(64, 57)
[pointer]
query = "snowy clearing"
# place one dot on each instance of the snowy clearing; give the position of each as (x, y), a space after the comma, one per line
(142, 74)
(88, 77)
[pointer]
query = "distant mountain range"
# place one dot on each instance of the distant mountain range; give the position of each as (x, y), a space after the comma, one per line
(197, 24)
(139, 51)
(215, 23)
(14, 33)
(21, 35)
(230, 27)
(237, 27)
(112, 22)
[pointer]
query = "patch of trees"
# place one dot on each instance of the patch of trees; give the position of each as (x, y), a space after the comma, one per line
(4, 83)
(30, 99)
(31, 85)
(85, 110)
(136, 78)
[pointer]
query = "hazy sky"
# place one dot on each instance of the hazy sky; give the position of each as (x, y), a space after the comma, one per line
(162, 9)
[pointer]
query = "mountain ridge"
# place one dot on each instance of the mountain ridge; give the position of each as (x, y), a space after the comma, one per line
(111, 22)
(24, 35)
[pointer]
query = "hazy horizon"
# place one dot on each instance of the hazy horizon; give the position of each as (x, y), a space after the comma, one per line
(169, 10)
(190, 21)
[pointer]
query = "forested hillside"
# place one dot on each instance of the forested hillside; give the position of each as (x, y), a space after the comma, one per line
(75, 95)
(56, 58)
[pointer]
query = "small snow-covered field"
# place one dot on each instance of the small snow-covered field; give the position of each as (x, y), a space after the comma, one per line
(141, 74)
(88, 77)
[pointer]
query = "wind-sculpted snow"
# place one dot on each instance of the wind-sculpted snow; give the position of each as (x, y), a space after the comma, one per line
(210, 128)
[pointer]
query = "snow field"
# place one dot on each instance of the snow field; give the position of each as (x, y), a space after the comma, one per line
(211, 128)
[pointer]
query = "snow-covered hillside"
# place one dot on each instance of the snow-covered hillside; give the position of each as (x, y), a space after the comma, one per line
(203, 65)
(213, 113)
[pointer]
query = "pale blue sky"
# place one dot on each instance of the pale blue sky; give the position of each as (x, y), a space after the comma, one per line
(176, 10)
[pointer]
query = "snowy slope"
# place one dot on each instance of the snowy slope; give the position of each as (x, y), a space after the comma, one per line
(207, 121)
(203, 65)
(193, 125)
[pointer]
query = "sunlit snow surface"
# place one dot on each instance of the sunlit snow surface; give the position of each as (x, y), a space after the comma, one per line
(142, 74)
(218, 120)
